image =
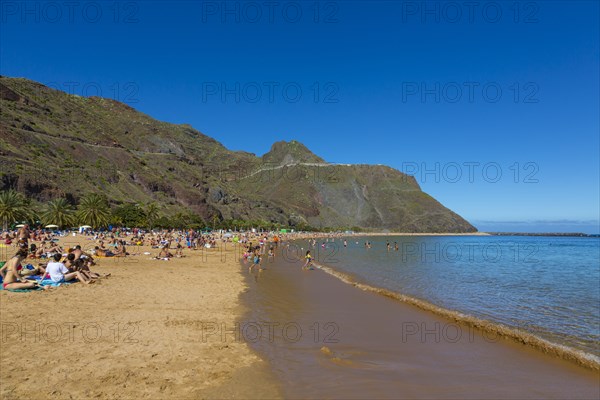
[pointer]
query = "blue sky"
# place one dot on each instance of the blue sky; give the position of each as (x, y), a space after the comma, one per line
(498, 101)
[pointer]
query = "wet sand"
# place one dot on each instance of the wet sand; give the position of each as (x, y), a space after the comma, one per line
(358, 344)
(140, 333)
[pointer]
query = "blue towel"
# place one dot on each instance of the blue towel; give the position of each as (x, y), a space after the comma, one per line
(50, 282)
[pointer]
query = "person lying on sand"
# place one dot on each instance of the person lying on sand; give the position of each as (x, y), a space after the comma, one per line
(102, 252)
(59, 273)
(10, 272)
(54, 248)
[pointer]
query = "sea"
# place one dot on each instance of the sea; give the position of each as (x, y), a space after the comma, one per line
(547, 286)
(429, 317)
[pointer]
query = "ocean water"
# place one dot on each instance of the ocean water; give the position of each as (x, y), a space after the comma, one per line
(442, 317)
(546, 286)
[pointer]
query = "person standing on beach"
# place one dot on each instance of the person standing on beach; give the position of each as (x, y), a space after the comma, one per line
(308, 264)
(271, 254)
(255, 259)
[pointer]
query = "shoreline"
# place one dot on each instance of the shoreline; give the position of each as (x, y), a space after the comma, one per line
(372, 355)
(579, 357)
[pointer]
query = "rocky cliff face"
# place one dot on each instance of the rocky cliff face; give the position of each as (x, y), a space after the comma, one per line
(54, 144)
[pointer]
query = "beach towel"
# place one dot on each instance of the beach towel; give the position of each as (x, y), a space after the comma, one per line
(50, 282)
(22, 290)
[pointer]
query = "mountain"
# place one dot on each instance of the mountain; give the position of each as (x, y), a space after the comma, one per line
(284, 153)
(55, 144)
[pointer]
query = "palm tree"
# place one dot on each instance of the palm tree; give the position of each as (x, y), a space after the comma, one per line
(180, 220)
(93, 210)
(13, 207)
(151, 214)
(58, 212)
(215, 220)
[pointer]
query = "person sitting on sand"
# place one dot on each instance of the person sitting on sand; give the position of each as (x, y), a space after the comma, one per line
(87, 259)
(59, 273)
(120, 250)
(34, 251)
(78, 264)
(10, 272)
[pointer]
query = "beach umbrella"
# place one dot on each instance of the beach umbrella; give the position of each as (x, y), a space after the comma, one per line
(227, 235)
(85, 227)
(20, 226)
(51, 226)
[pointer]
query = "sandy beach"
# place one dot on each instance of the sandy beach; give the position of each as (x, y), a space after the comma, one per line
(141, 333)
(171, 329)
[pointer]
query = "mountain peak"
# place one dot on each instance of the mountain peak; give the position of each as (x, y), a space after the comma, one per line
(292, 152)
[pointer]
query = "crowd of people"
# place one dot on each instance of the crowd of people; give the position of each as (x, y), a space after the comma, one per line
(59, 264)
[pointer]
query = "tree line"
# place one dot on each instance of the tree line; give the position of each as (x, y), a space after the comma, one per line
(94, 210)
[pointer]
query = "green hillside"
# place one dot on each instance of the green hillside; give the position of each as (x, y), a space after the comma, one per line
(53, 144)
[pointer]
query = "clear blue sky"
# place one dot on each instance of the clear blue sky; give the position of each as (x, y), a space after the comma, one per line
(386, 82)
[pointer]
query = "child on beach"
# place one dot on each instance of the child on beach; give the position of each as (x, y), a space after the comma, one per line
(256, 260)
(271, 254)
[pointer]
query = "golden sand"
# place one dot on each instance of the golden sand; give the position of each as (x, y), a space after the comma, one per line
(137, 334)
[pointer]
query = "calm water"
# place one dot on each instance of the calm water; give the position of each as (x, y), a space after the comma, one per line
(548, 286)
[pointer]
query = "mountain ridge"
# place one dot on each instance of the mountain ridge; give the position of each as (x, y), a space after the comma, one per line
(54, 144)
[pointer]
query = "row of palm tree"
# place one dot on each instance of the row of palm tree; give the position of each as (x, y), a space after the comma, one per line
(13, 207)
(94, 210)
